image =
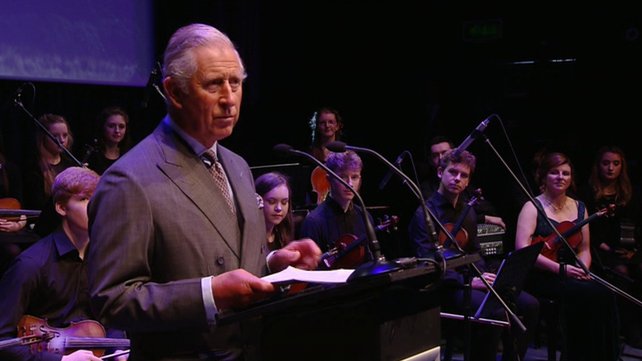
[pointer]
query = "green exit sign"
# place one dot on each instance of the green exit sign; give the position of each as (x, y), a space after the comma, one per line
(482, 30)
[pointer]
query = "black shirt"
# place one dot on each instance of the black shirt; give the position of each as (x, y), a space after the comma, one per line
(49, 281)
(328, 222)
(445, 213)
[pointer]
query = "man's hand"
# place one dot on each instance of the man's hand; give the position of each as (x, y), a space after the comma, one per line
(303, 254)
(478, 284)
(239, 288)
(495, 220)
(13, 226)
(80, 355)
(624, 253)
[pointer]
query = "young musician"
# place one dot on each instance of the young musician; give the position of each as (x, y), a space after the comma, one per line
(337, 216)
(49, 279)
(589, 319)
(437, 147)
(40, 174)
(616, 239)
(274, 189)
(50, 160)
(454, 171)
(113, 138)
(327, 126)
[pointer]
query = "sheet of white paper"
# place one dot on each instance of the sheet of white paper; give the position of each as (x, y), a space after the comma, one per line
(292, 274)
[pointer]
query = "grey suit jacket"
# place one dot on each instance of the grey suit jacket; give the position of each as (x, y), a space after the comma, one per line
(157, 226)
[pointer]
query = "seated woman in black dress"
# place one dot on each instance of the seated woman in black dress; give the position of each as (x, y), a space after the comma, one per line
(588, 313)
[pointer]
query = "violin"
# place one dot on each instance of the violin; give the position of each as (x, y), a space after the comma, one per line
(320, 183)
(86, 334)
(10, 210)
(459, 234)
(349, 250)
(569, 231)
(25, 340)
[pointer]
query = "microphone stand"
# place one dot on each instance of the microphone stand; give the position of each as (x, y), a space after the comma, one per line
(379, 264)
(19, 104)
(160, 92)
(338, 146)
(157, 71)
(542, 213)
(268, 166)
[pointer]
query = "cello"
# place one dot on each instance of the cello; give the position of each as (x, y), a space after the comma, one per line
(320, 183)
(86, 334)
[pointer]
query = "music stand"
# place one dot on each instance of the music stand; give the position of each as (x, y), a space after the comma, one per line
(510, 278)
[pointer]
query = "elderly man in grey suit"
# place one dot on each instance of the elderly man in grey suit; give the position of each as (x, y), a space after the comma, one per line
(170, 248)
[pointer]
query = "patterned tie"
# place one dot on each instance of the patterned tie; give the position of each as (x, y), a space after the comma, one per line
(220, 179)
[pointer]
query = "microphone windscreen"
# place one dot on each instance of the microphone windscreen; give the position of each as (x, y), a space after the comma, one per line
(336, 146)
(282, 148)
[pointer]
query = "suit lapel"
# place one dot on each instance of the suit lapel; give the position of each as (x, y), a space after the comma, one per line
(190, 175)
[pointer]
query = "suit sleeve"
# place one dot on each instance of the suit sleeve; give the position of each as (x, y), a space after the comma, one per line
(124, 292)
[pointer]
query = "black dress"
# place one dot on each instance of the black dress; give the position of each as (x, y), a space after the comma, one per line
(620, 230)
(35, 197)
(99, 163)
(588, 313)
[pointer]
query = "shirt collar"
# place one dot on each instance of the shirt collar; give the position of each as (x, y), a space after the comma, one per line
(195, 145)
(62, 242)
(334, 204)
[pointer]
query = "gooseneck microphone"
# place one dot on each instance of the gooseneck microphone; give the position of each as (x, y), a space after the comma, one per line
(338, 146)
(473, 135)
(379, 264)
(17, 95)
(386, 178)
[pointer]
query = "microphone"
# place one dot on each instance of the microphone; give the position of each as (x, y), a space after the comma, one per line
(15, 98)
(472, 136)
(151, 82)
(18, 93)
(379, 264)
(338, 146)
(386, 178)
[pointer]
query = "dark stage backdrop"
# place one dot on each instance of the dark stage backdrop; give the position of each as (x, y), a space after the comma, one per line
(560, 77)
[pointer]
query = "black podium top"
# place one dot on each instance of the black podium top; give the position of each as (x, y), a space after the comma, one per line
(422, 275)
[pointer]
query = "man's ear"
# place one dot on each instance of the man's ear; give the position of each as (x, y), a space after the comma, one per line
(440, 171)
(173, 92)
(61, 209)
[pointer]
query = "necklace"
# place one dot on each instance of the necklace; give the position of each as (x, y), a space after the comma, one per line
(553, 206)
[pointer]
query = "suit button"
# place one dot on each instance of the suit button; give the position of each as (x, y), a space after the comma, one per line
(220, 261)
